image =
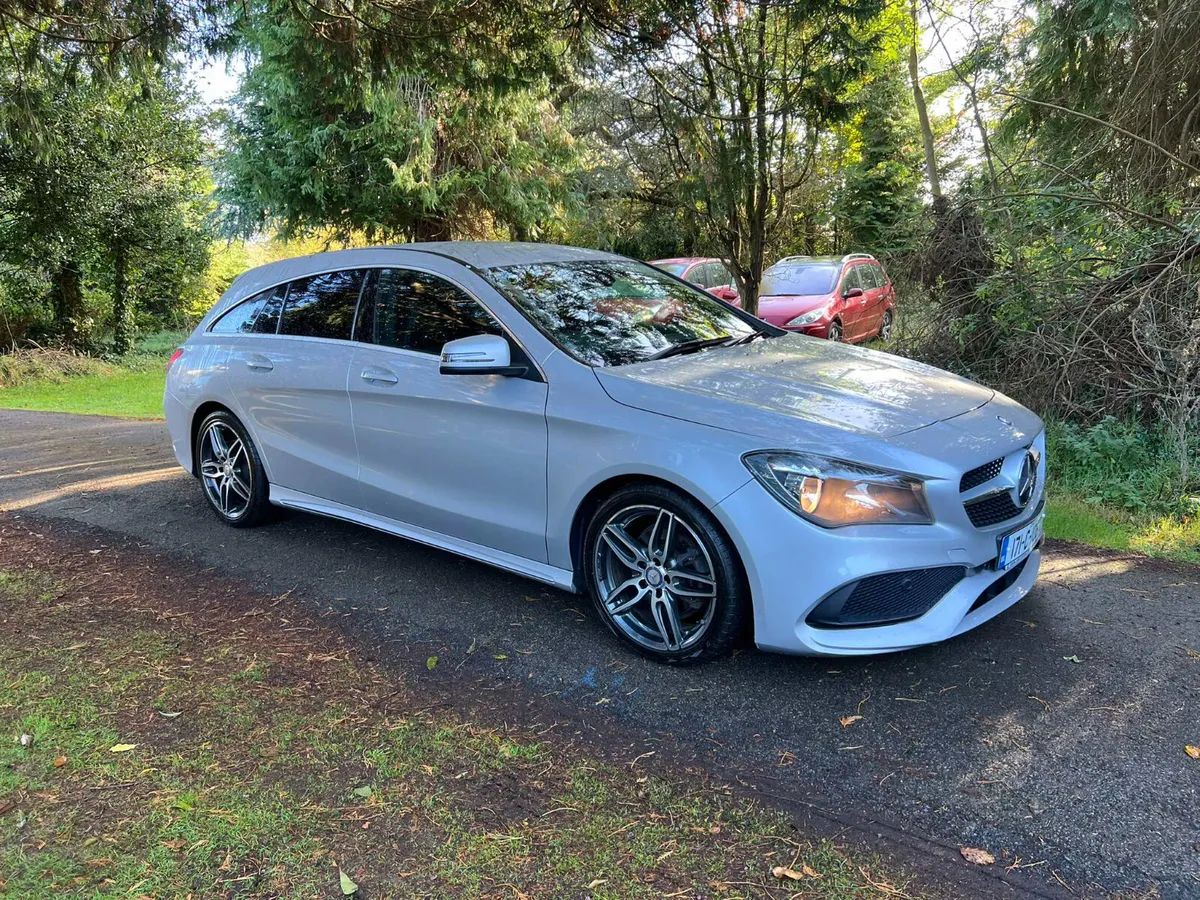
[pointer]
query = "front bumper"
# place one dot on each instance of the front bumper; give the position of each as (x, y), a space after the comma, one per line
(792, 566)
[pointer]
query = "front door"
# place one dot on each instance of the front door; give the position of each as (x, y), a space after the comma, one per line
(460, 455)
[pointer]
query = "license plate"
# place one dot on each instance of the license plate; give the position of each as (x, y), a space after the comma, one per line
(1016, 545)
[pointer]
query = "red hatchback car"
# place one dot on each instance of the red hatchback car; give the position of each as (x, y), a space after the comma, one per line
(704, 272)
(848, 298)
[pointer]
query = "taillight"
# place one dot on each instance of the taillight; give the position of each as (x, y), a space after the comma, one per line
(174, 356)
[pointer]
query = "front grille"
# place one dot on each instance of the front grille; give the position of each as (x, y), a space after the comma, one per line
(992, 510)
(887, 598)
(980, 475)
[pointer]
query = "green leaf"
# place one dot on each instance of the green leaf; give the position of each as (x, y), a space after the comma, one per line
(348, 885)
(364, 791)
(431, 663)
(169, 715)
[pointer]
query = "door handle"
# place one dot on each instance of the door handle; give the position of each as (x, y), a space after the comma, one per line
(259, 362)
(379, 376)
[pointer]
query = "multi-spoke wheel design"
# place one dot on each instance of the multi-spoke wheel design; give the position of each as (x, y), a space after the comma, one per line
(835, 331)
(225, 469)
(663, 576)
(230, 471)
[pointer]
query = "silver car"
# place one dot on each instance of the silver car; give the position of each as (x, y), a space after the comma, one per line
(598, 425)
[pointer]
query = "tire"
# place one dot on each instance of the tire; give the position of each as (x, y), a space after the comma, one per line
(674, 584)
(886, 325)
(232, 477)
(835, 331)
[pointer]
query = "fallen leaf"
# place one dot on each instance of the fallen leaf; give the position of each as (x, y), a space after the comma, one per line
(25, 740)
(348, 885)
(499, 656)
(365, 792)
(121, 748)
(976, 856)
(1193, 752)
(850, 720)
(429, 664)
(1074, 659)
(169, 715)
(782, 872)
(175, 845)
(810, 872)
(227, 865)
(596, 882)
(59, 762)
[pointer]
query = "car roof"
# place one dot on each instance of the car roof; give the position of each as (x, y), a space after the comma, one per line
(682, 260)
(808, 261)
(476, 254)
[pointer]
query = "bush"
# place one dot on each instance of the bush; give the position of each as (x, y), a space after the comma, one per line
(1117, 463)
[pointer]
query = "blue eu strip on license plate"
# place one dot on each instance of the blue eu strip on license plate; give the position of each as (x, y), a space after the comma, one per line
(1016, 545)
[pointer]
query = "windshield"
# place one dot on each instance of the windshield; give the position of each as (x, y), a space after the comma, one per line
(676, 269)
(614, 312)
(804, 278)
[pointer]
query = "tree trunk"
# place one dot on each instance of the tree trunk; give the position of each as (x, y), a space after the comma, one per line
(122, 313)
(67, 294)
(931, 168)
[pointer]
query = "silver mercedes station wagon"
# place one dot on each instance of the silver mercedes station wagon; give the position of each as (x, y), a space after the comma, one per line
(596, 424)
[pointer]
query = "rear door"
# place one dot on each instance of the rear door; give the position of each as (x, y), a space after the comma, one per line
(460, 455)
(289, 380)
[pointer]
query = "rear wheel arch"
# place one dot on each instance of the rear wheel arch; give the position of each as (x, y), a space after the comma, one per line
(203, 411)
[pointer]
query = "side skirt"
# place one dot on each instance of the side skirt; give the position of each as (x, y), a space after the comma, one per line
(547, 574)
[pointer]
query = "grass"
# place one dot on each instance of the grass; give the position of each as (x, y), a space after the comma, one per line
(1071, 518)
(225, 746)
(63, 382)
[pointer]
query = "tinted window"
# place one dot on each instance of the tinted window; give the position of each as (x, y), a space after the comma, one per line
(614, 312)
(322, 305)
(240, 318)
(417, 311)
(268, 317)
(799, 278)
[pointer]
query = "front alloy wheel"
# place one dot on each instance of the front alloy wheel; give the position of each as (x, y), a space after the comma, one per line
(663, 576)
(231, 472)
(835, 331)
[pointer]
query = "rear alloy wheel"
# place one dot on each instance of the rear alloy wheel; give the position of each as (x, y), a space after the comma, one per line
(835, 331)
(663, 576)
(887, 325)
(231, 472)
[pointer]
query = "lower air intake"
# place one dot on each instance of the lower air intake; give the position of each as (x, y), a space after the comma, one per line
(886, 599)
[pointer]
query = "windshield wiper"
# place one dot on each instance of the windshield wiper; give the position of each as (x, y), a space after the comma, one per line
(749, 338)
(689, 347)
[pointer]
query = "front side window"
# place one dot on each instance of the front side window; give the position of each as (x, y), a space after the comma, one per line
(614, 312)
(413, 310)
(799, 279)
(322, 305)
(851, 280)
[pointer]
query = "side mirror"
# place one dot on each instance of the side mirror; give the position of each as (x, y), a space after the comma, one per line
(729, 295)
(853, 292)
(479, 354)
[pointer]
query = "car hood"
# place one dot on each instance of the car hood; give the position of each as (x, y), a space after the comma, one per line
(779, 309)
(770, 387)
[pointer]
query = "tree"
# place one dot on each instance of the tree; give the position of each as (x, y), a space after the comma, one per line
(735, 100)
(111, 208)
(879, 207)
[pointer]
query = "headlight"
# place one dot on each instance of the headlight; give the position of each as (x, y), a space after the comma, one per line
(809, 317)
(832, 493)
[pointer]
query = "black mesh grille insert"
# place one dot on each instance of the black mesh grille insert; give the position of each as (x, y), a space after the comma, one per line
(992, 511)
(886, 599)
(980, 475)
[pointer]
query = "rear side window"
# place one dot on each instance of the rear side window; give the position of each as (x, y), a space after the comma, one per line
(870, 276)
(417, 311)
(268, 317)
(322, 305)
(881, 278)
(239, 319)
